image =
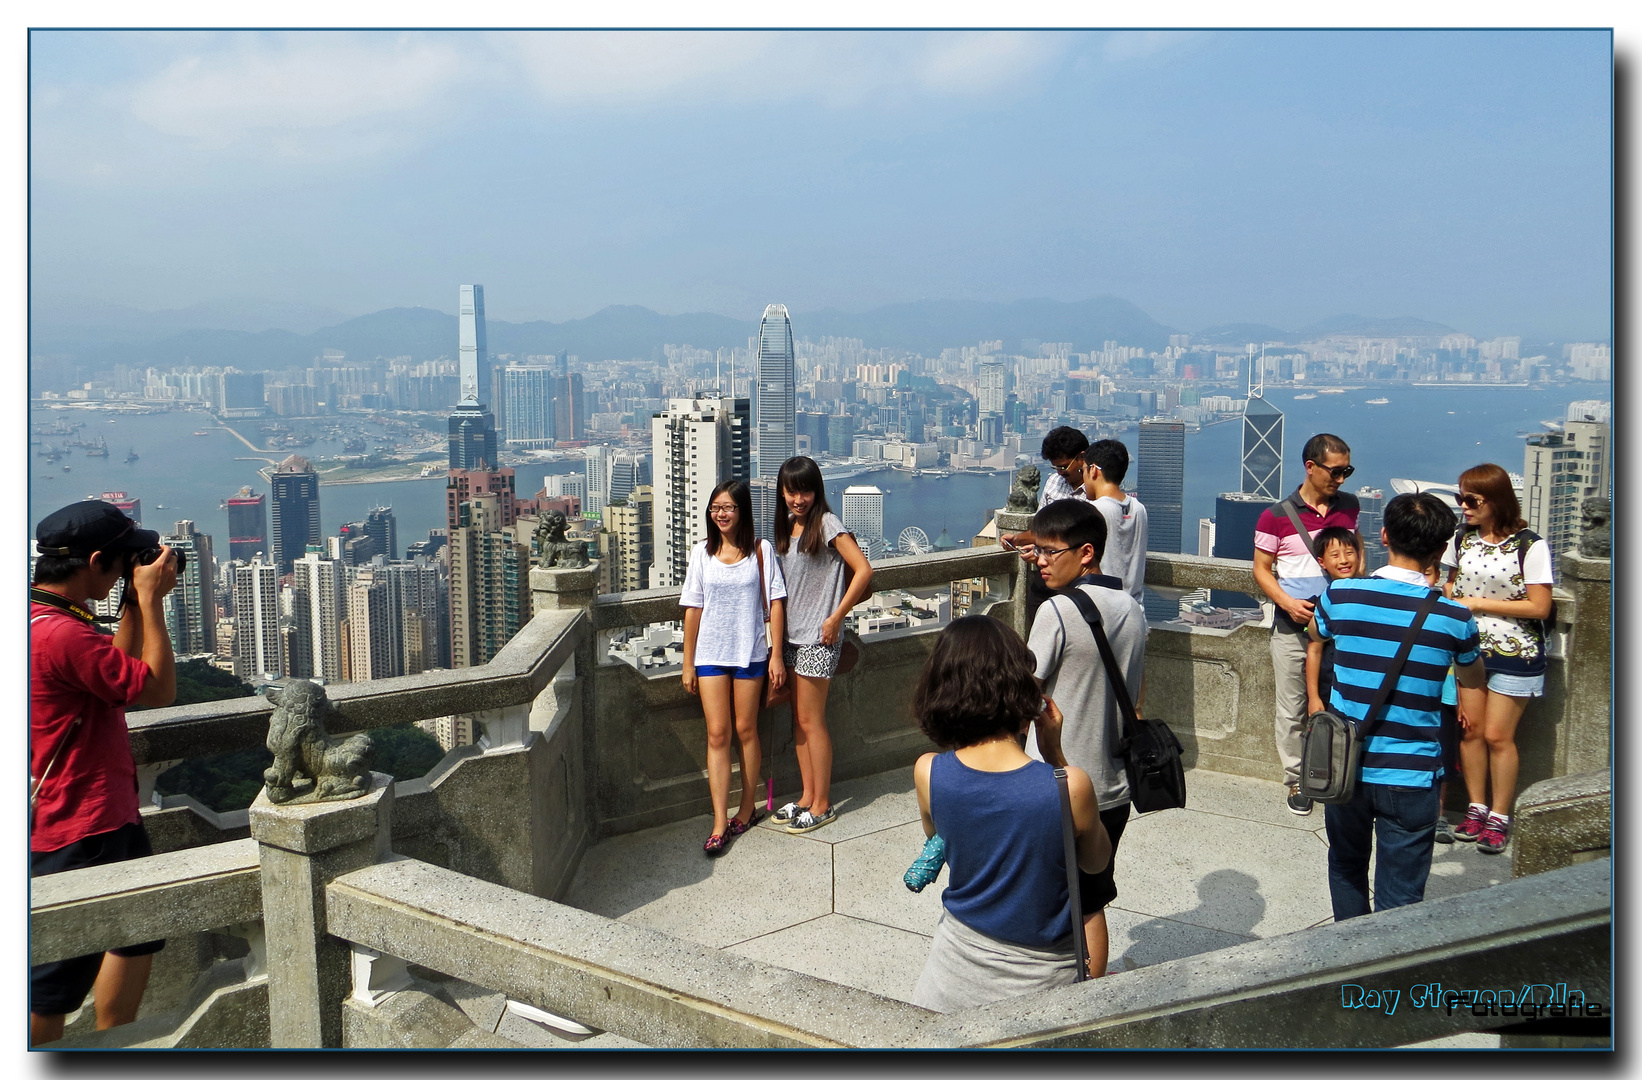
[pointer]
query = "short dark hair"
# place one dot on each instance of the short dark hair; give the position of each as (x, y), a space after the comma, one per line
(1064, 442)
(743, 538)
(50, 569)
(1418, 526)
(1111, 457)
(977, 683)
(1339, 534)
(1073, 522)
(1322, 445)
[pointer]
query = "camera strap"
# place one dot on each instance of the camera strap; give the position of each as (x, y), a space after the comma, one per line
(63, 603)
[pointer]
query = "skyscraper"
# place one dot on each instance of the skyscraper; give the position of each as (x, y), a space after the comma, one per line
(191, 607)
(1262, 450)
(862, 510)
(384, 530)
(419, 596)
(373, 636)
(697, 442)
(472, 430)
(489, 580)
(247, 525)
(598, 478)
(631, 548)
(258, 651)
(317, 610)
(1370, 520)
(531, 393)
(1561, 471)
(989, 391)
(1235, 515)
(296, 511)
(776, 390)
(1161, 482)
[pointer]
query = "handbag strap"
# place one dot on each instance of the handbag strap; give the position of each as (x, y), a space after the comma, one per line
(763, 588)
(1389, 683)
(1294, 519)
(1120, 689)
(1074, 897)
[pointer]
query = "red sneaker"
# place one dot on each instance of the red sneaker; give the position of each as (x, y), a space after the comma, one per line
(1471, 828)
(1494, 836)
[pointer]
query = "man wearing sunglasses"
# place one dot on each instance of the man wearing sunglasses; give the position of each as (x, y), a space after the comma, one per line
(1287, 571)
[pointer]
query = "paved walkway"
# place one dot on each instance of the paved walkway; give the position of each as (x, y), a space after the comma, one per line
(1232, 866)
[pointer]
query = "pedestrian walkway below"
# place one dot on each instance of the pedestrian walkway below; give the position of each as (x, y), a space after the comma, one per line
(1234, 865)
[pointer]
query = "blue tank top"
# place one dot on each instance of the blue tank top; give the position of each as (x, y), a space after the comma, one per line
(1004, 850)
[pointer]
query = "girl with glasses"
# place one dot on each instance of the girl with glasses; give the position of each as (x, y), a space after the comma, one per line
(826, 575)
(1501, 570)
(733, 585)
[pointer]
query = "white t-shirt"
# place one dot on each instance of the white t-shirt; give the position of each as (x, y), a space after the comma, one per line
(732, 615)
(1125, 543)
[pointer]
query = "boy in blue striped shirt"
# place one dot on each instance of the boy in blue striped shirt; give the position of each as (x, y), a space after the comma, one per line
(1397, 798)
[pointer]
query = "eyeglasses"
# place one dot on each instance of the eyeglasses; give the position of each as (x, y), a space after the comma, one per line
(1338, 472)
(721, 511)
(1470, 501)
(1065, 466)
(1046, 554)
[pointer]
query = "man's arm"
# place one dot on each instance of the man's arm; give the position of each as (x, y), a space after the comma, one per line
(1265, 576)
(148, 585)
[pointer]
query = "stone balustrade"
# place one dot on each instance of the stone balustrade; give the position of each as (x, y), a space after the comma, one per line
(576, 748)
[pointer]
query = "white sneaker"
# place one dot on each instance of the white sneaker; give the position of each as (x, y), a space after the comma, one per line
(788, 812)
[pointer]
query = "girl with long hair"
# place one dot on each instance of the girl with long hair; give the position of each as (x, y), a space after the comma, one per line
(826, 576)
(732, 581)
(1006, 917)
(1501, 570)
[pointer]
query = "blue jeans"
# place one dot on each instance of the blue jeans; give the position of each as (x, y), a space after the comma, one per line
(1402, 821)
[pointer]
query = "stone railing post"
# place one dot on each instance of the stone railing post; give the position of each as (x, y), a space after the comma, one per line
(1014, 521)
(561, 589)
(1588, 719)
(302, 848)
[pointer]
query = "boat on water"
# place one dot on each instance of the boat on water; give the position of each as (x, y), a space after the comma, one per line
(1378, 401)
(1331, 390)
(1305, 397)
(202, 433)
(68, 468)
(131, 455)
(98, 448)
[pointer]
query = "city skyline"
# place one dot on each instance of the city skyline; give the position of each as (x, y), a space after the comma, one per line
(972, 166)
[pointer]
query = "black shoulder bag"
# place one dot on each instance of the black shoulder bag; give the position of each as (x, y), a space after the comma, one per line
(1149, 749)
(1331, 758)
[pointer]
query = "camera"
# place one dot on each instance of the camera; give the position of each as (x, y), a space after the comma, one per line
(148, 555)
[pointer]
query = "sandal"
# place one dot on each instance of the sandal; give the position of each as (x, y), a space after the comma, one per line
(715, 845)
(737, 828)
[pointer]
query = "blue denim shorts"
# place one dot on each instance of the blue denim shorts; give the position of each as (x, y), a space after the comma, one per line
(1528, 686)
(751, 671)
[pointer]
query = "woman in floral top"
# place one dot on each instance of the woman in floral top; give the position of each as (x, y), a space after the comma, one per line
(1500, 570)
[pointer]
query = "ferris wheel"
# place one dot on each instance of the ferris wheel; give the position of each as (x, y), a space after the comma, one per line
(913, 541)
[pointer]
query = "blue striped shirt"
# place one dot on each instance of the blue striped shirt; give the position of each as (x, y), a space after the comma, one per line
(1366, 619)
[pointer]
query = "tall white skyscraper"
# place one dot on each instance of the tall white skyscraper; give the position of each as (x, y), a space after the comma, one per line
(258, 651)
(599, 459)
(317, 610)
(530, 393)
(697, 443)
(1561, 471)
(863, 515)
(989, 392)
(472, 430)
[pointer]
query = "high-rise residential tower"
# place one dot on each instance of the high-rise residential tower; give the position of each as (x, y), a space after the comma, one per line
(472, 430)
(862, 511)
(1161, 482)
(697, 443)
(318, 606)
(296, 511)
(191, 607)
(599, 459)
(1559, 472)
(247, 525)
(631, 541)
(383, 528)
(259, 653)
(489, 579)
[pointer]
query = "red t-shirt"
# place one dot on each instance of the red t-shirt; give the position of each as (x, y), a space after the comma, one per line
(75, 671)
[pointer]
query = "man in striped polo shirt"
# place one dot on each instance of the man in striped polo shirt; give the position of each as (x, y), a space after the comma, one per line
(1396, 802)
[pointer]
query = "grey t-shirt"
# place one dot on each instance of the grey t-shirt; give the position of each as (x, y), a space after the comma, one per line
(1069, 663)
(1126, 528)
(815, 583)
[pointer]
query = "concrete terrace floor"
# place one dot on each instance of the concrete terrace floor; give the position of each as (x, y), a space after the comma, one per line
(1234, 865)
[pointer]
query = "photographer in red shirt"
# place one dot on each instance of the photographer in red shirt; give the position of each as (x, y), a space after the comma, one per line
(82, 779)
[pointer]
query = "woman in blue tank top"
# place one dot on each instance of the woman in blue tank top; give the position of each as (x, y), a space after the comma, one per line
(1006, 926)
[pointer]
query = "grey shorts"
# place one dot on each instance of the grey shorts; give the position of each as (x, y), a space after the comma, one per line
(813, 661)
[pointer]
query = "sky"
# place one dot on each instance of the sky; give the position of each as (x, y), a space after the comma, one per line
(1279, 177)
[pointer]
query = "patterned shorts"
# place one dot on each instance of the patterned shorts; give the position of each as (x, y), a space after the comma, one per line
(813, 661)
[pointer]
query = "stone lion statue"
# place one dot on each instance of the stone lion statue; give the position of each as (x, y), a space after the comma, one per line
(1596, 535)
(552, 548)
(1023, 495)
(309, 765)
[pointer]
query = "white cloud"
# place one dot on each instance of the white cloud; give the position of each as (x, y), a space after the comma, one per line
(1124, 45)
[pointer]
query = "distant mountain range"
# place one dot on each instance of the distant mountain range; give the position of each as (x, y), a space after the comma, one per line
(70, 338)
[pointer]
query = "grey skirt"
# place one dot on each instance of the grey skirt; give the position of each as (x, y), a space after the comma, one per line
(967, 968)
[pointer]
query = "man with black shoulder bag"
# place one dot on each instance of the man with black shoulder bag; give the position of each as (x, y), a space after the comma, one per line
(1394, 640)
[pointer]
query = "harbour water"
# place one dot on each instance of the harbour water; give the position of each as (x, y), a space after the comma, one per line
(1426, 434)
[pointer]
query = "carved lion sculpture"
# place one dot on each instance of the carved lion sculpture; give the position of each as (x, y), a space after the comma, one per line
(552, 548)
(1023, 495)
(309, 765)
(1596, 535)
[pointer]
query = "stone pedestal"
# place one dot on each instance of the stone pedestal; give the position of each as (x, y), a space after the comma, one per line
(557, 589)
(302, 848)
(1588, 714)
(1014, 521)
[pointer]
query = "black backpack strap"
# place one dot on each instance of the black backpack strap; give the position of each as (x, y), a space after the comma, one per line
(1389, 684)
(1120, 689)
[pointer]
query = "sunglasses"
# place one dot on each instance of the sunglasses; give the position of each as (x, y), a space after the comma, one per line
(1470, 501)
(1065, 466)
(1339, 472)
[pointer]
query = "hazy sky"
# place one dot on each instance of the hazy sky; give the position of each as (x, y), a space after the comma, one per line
(1278, 177)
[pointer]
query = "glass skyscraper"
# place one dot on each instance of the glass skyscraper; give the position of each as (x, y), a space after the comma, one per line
(295, 511)
(1263, 449)
(472, 429)
(775, 390)
(1162, 482)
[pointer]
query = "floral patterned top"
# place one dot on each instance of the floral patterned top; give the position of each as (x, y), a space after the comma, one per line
(1498, 572)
